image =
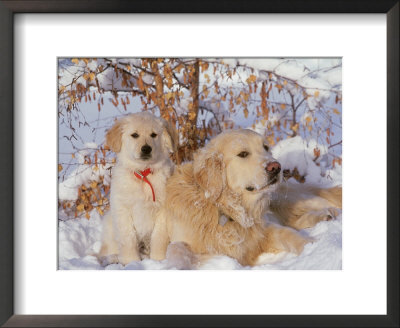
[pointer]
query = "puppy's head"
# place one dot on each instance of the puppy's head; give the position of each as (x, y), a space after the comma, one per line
(141, 137)
(236, 170)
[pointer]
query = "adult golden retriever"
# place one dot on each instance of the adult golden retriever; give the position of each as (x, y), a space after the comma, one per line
(142, 143)
(217, 204)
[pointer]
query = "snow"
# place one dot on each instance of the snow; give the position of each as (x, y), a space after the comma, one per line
(68, 189)
(292, 69)
(325, 253)
(79, 239)
(299, 153)
(319, 82)
(325, 73)
(83, 174)
(91, 145)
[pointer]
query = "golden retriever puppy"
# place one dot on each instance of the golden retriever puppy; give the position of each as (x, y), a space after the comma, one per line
(217, 204)
(142, 143)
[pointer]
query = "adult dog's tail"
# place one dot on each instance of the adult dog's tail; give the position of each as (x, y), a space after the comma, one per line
(333, 195)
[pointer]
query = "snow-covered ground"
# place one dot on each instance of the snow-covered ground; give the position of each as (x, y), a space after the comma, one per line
(79, 239)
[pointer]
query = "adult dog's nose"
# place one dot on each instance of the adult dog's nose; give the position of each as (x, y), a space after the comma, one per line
(146, 149)
(273, 168)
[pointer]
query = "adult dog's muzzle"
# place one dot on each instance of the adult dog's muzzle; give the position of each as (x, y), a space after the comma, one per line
(273, 169)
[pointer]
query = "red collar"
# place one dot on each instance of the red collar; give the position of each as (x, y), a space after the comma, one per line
(142, 175)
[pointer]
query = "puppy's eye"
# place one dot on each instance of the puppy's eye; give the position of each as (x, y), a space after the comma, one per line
(266, 147)
(243, 154)
(153, 135)
(250, 188)
(135, 135)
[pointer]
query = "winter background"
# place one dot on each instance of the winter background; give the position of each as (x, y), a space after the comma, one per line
(294, 102)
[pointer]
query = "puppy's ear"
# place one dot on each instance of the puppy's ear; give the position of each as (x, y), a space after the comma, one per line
(169, 136)
(114, 137)
(209, 173)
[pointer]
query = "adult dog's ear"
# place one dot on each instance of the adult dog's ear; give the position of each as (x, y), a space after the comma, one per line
(230, 204)
(209, 173)
(114, 137)
(169, 136)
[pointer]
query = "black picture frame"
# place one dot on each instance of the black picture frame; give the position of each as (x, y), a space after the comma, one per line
(7, 11)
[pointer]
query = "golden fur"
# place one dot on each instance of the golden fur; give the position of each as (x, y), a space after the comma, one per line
(302, 206)
(209, 210)
(128, 225)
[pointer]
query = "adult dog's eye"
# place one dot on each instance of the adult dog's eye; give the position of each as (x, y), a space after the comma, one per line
(250, 188)
(266, 147)
(153, 135)
(135, 135)
(243, 154)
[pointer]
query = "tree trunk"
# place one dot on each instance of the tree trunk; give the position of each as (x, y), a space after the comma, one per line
(194, 111)
(159, 87)
(294, 109)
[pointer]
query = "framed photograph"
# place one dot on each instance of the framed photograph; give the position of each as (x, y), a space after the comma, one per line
(199, 164)
(107, 107)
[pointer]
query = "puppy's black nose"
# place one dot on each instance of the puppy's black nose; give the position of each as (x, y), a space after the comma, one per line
(146, 149)
(273, 168)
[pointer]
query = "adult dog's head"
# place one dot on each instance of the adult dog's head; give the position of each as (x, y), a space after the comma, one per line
(141, 139)
(236, 171)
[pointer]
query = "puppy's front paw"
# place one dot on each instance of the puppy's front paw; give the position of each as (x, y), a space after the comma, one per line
(126, 258)
(108, 259)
